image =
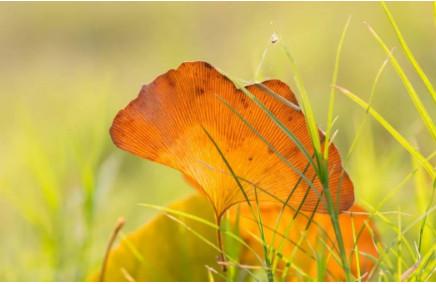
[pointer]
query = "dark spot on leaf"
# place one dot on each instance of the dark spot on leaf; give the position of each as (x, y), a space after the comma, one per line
(199, 91)
(250, 158)
(171, 82)
(244, 101)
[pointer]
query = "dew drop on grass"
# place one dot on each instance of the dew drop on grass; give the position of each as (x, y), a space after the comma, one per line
(274, 38)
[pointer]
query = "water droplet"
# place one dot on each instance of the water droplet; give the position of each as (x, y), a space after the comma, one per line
(274, 38)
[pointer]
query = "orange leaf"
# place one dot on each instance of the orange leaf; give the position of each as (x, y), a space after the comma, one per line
(166, 124)
(301, 244)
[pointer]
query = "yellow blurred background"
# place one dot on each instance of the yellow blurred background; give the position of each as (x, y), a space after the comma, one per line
(67, 68)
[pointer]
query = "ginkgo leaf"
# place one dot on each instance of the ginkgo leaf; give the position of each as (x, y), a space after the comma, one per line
(166, 250)
(303, 241)
(186, 117)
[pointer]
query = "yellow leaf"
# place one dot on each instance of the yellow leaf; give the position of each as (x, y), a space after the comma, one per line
(165, 250)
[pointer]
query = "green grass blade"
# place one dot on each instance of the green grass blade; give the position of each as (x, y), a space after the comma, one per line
(201, 221)
(371, 96)
(280, 124)
(322, 167)
(356, 248)
(180, 213)
(282, 209)
(423, 225)
(434, 13)
(409, 53)
(333, 89)
(262, 235)
(259, 66)
(235, 177)
(264, 140)
(400, 240)
(197, 234)
(279, 201)
(395, 134)
(408, 85)
(208, 242)
(132, 248)
(305, 102)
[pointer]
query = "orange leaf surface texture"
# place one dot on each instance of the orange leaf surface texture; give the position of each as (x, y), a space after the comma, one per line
(187, 116)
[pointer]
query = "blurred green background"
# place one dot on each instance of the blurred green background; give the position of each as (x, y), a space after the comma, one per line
(67, 68)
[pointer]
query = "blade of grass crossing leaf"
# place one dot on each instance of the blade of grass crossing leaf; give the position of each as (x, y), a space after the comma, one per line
(278, 154)
(300, 206)
(202, 238)
(322, 167)
(332, 252)
(262, 235)
(279, 98)
(205, 240)
(127, 275)
(195, 233)
(285, 237)
(245, 196)
(279, 217)
(395, 134)
(321, 266)
(200, 220)
(409, 53)
(306, 106)
(228, 167)
(409, 87)
(180, 213)
(302, 175)
(356, 248)
(288, 263)
(338, 233)
(282, 202)
(231, 247)
(333, 89)
(251, 96)
(278, 200)
(280, 124)
(132, 247)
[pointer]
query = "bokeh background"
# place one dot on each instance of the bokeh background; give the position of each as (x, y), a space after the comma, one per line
(67, 68)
